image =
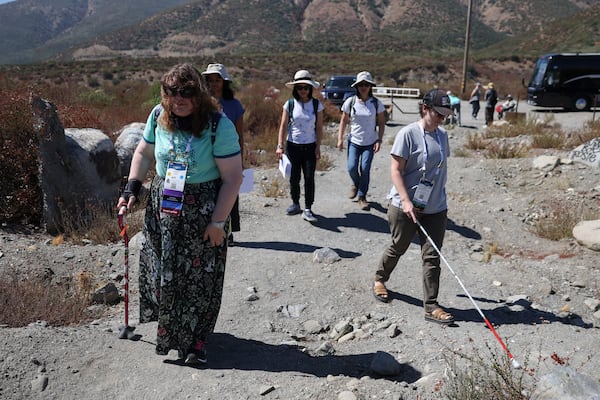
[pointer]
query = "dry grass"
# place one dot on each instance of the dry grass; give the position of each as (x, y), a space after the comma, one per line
(504, 150)
(275, 188)
(476, 142)
(590, 131)
(484, 377)
(560, 216)
(26, 301)
(97, 224)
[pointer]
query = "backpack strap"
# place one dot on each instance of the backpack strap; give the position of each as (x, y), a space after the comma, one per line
(315, 108)
(157, 112)
(213, 125)
(291, 113)
(352, 106)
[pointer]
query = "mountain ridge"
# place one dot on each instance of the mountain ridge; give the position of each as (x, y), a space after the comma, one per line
(80, 29)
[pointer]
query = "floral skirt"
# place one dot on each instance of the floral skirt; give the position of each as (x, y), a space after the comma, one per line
(181, 275)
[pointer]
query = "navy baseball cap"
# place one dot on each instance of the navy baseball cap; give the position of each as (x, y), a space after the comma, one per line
(438, 100)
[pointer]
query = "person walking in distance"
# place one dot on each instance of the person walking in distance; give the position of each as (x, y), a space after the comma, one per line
(302, 129)
(195, 152)
(219, 84)
(491, 98)
(419, 172)
(475, 99)
(455, 104)
(365, 114)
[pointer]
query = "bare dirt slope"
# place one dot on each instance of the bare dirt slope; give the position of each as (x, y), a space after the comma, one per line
(265, 349)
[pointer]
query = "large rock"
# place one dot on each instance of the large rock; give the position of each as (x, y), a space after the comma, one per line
(565, 383)
(79, 170)
(127, 140)
(587, 153)
(587, 233)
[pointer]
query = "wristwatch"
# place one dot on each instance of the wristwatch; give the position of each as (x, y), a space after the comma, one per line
(218, 224)
(280, 146)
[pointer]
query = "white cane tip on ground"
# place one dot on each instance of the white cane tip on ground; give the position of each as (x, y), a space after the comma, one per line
(515, 364)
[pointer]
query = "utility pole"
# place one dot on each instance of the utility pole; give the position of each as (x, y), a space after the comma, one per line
(466, 54)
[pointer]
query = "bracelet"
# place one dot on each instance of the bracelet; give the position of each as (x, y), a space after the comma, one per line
(279, 146)
(378, 141)
(218, 224)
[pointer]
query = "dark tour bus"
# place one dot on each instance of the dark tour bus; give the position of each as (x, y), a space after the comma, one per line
(567, 80)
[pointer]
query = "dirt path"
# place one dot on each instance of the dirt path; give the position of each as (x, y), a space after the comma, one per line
(272, 347)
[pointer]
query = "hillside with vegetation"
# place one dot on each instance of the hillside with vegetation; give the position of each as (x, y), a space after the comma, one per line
(34, 30)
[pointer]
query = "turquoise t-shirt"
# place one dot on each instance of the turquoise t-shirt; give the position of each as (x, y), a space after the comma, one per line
(201, 157)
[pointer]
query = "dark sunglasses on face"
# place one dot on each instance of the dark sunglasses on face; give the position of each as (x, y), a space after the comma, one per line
(302, 87)
(363, 85)
(185, 92)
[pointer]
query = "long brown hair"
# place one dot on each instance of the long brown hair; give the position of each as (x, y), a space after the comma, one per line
(188, 77)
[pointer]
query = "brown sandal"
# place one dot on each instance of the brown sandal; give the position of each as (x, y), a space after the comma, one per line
(381, 293)
(440, 316)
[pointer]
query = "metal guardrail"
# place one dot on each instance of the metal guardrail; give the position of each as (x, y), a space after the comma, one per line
(388, 94)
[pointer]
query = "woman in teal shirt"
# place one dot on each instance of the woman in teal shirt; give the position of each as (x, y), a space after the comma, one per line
(198, 175)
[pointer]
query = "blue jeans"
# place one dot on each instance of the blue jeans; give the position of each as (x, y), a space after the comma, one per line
(359, 166)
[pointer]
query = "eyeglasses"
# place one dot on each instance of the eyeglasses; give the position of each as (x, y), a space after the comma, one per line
(185, 92)
(364, 84)
(302, 87)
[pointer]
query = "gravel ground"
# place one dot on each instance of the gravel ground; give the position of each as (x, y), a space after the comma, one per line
(275, 334)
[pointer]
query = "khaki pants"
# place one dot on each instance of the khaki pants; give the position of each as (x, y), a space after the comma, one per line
(403, 231)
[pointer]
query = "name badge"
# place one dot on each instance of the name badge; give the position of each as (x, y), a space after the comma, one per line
(422, 194)
(172, 201)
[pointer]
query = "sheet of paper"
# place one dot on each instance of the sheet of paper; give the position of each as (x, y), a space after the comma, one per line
(248, 181)
(285, 166)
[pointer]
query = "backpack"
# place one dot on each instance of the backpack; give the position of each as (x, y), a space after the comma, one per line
(375, 102)
(213, 123)
(291, 112)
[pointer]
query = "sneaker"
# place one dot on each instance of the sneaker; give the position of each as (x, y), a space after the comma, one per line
(293, 209)
(230, 241)
(363, 204)
(353, 192)
(308, 216)
(196, 357)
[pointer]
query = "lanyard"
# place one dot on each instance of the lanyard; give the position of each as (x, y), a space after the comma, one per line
(173, 156)
(426, 151)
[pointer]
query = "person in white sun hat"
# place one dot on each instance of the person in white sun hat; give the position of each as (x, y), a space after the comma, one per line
(219, 84)
(300, 132)
(365, 115)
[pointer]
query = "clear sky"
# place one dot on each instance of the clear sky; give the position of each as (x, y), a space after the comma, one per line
(5, 1)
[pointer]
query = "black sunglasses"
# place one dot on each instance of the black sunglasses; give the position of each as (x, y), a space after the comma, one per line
(302, 87)
(185, 92)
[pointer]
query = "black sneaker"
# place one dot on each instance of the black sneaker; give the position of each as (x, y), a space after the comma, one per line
(196, 357)
(230, 241)
(293, 209)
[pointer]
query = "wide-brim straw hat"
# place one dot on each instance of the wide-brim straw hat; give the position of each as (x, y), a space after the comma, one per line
(303, 76)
